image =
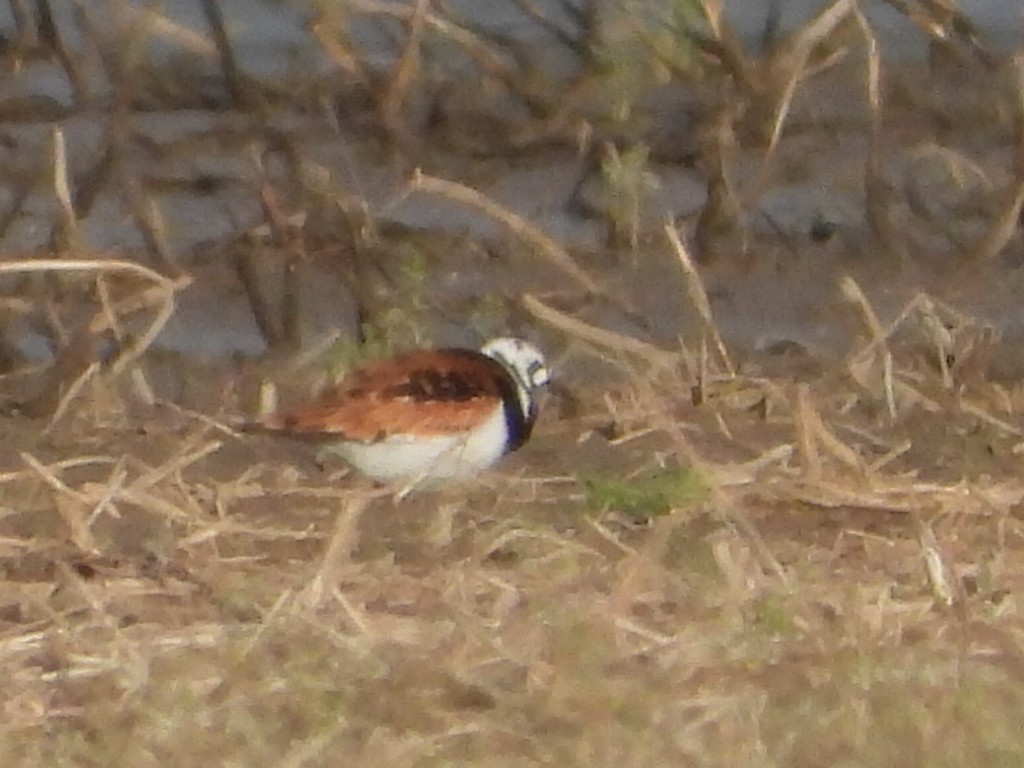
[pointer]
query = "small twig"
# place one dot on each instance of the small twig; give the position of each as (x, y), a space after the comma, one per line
(519, 226)
(62, 187)
(940, 575)
(68, 397)
(698, 295)
(344, 540)
(853, 294)
(229, 64)
(600, 336)
(180, 462)
(475, 48)
(402, 76)
(248, 276)
(50, 37)
(118, 474)
(1003, 228)
(166, 286)
(51, 479)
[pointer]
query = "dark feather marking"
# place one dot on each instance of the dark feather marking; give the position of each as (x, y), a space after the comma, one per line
(429, 384)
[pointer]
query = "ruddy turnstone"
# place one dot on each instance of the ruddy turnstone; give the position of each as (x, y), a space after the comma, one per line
(427, 416)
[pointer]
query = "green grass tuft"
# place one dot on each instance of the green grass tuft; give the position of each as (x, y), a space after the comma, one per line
(652, 494)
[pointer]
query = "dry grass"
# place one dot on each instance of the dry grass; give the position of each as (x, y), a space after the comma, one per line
(830, 599)
(698, 560)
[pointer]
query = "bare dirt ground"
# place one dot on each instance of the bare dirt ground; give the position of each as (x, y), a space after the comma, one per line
(750, 548)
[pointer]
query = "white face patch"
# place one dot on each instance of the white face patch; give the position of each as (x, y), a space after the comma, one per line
(524, 361)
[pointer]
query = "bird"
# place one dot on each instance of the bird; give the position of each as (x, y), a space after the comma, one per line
(427, 416)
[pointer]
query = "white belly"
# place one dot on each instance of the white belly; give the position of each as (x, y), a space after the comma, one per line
(429, 458)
